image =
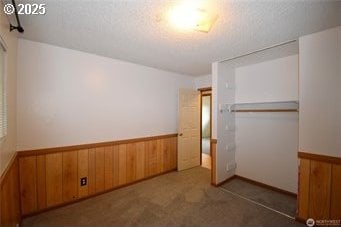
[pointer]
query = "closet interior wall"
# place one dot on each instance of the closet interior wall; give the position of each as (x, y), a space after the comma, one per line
(254, 145)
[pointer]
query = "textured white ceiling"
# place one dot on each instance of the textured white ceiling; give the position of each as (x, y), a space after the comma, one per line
(137, 30)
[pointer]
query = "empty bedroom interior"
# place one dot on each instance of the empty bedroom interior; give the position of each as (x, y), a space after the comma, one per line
(170, 113)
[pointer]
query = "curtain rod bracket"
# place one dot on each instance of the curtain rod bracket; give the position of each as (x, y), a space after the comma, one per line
(18, 28)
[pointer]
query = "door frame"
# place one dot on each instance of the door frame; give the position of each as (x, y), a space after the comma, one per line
(206, 91)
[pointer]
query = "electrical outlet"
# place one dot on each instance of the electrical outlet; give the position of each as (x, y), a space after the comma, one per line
(229, 86)
(230, 128)
(84, 181)
(230, 147)
(231, 166)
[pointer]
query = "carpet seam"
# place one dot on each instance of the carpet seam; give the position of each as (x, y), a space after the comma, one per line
(259, 204)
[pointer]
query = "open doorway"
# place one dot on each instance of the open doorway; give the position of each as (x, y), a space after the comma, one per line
(205, 127)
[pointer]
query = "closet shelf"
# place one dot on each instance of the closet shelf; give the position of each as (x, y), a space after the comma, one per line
(280, 106)
(265, 110)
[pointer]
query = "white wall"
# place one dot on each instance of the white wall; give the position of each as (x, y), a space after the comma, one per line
(203, 81)
(320, 93)
(265, 144)
(274, 80)
(67, 97)
(215, 67)
(266, 148)
(8, 143)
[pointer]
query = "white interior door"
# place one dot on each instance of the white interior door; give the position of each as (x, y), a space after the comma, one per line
(189, 129)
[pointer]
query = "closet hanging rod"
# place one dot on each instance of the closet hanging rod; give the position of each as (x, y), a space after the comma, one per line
(271, 102)
(11, 10)
(256, 51)
(264, 110)
(269, 109)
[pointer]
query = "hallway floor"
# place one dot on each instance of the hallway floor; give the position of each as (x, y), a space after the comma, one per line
(206, 161)
(205, 145)
(206, 153)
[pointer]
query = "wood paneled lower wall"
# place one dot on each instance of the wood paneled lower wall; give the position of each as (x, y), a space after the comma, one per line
(319, 194)
(51, 177)
(9, 195)
(213, 162)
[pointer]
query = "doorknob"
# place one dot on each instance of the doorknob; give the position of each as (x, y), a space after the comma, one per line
(180, 134)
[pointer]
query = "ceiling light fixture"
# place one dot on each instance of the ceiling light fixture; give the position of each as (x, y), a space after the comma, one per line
(193, 15)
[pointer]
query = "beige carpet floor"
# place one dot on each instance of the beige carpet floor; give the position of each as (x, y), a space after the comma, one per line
(176, 199)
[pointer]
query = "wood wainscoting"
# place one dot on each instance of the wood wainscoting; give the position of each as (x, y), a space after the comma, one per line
(52, 177)
(213, 162)
(9, 195)
(319, 189)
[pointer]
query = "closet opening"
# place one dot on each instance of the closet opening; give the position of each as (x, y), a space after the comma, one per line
(205, 126)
